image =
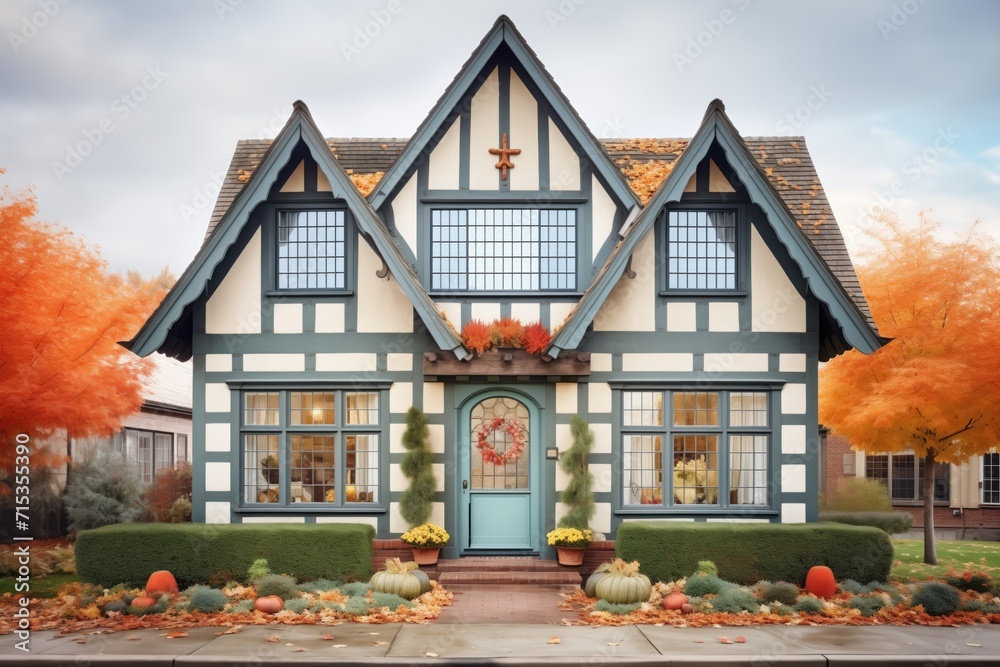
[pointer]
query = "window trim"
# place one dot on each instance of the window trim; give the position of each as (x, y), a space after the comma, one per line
(285, 429)
(269, 248)
(982, 478)
(583, 242)
(667, 430)
(742, 249)
(917, 484)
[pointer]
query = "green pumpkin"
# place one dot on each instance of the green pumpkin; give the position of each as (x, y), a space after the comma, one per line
(619, 589)
(590, 588)
(425, 581)
(398, 578)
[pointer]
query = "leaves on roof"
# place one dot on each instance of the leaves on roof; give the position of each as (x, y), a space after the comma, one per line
(243, 176)
(645, 177)
(365, 183)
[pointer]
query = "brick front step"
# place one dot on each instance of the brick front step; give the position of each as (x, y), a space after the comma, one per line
(479, 580)
(480, 564)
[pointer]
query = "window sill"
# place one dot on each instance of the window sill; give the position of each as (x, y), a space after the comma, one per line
(493, 294)
(657, 510)
(715, 294)
(309, 292)
(298, 508)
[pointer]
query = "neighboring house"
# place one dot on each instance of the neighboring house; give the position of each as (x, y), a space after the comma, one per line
(687, 324)
(966, 496)
(159, 435)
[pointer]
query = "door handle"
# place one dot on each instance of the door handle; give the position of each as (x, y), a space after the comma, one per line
(465, 483)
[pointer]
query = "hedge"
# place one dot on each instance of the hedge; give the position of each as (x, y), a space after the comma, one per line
(748, 553)
(890, 522)
(128, 553)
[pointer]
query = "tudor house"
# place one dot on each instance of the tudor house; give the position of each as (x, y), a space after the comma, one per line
(687, 324)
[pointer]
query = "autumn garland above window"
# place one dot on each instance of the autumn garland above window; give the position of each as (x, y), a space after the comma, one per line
(479, 337)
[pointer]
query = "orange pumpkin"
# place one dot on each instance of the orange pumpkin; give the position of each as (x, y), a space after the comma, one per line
(142, 602)
(270, 604)
(161, 581)
(675, 601)
(821, 582)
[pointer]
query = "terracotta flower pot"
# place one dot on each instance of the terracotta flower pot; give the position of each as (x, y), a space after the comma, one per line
(425, 555)
(572, 556)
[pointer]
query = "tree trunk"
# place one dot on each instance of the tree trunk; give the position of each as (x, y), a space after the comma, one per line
(930, 552)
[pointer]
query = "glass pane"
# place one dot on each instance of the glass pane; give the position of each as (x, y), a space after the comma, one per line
(748, 408)
(362, 468)
(701, 250)
(696, 408)
(696, 469)
(311, 250)
(499, 438)
(260, 408)
(362, 407)
(642, 470)
(163, 456)
(182, 447)
(642, 408)
(877, 467)
(313, 461)
(261, 468)
(903, 477)
(313, 407)
(145, 456)
(748, 470)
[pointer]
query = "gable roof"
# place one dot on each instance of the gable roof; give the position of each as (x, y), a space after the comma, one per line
(855, 327)
(502, 34)
(174, 310)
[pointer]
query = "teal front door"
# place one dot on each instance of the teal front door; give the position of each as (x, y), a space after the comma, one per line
(499, 506)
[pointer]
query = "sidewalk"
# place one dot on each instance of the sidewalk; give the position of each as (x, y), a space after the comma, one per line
(473, 644)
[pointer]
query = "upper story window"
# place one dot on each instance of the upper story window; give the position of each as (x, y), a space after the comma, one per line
(311, 250)
(503, 249)
(702, 250)
(684, 448)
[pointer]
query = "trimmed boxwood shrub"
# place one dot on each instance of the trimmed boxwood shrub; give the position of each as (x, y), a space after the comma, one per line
(748, 553)
(129, 553)
(891, 522)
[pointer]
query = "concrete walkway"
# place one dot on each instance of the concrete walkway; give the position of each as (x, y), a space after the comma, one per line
(517, 645)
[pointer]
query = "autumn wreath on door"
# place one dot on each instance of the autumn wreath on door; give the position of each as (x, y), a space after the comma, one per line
(518, 440)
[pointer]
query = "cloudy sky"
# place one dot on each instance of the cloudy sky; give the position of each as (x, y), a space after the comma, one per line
(124, 115)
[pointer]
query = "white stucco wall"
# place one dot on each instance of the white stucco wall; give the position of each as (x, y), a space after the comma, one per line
(235, 305)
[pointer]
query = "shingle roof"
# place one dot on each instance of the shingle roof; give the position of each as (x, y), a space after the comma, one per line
(785, 160)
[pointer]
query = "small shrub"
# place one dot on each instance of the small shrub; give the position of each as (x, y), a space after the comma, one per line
(969, 581)
(241, 607)
(169, 485)
(937, 599)
(296, 606)
(115, 605)
(735, 600)
(258, 570)
(853, 587)
(857, 494)
(180, 511)
(807, 604)
(700, 585)
(617, 609)
(981, 607)
(700, 605)
(355, 589)
(277, 584)
(104, 489)
(782, 592)
(390, 600)
(317, 585)
(357, 606)
(707, 567)
(318, 605)
(868, 605)
(208, 600)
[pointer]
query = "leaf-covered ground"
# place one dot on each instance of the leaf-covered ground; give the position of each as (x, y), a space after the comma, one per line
(908, 562)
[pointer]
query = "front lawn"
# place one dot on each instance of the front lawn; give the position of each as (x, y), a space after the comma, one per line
(41, 587)
(908, 565)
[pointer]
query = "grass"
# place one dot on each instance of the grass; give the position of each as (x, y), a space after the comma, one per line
(41, 587)
(908, 565)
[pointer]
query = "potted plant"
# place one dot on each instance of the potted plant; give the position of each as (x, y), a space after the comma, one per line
(417, 501)
(570, 544)
(269, 468)
(578, 496)
(426, 541)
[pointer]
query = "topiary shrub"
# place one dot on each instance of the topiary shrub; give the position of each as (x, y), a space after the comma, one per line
(208, 600)
(193, 551)
(868, 605)
(296, 606)
(734, 600)
(277, 584)
(700, 585)
(417, 501)
(390, 600)
(782, 592)
(104, 489)
(937, 599)
(617, 609)
(807, 604)
(748, 553)
(578, 495)
(891, 522)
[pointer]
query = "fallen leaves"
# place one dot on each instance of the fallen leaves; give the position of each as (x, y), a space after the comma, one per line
(176, 634)
(554, 640)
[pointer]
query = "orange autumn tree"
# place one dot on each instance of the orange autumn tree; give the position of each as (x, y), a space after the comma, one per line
(935, 388)
(61, 315)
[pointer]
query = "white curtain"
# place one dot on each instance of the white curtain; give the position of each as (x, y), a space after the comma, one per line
(748, 468)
